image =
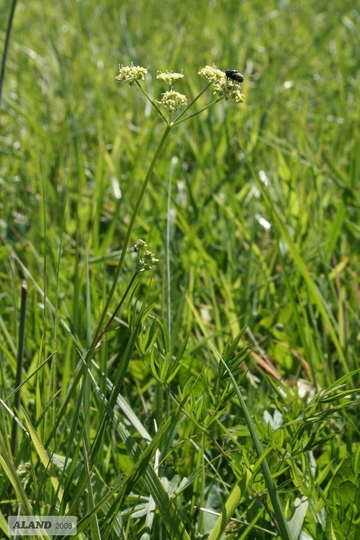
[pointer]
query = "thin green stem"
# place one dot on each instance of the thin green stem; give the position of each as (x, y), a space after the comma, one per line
(80, 371)
(107, 327)
(127, 238)
(167, 260)
(176, 122)
(19, 364)
(153, 103)
(6, 45)
(191, 104)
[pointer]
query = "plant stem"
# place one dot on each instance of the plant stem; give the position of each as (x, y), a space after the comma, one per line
(6, 45)
(106, 329)
(19, 364)
(176, 121)
(95, 339)
(127, 239)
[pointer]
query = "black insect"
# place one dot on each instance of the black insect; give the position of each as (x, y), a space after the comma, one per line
(234, 74)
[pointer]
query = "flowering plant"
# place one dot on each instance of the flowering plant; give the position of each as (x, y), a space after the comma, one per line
(224, 87)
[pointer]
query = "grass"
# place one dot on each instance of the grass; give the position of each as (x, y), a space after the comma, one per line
(223, 401)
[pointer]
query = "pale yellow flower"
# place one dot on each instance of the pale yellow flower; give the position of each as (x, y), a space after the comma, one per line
(173, 100)
(169, 77)
(223, 86)
(131, 73)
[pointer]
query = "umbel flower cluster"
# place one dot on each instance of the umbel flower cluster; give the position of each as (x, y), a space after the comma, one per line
(223, 86)
(145, 259)
(131, 74)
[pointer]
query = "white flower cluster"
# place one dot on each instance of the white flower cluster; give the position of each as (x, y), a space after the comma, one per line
(169, 77)
(145, 259)
(224, 87)
(173, 100)
(131, 73)
(212, 74)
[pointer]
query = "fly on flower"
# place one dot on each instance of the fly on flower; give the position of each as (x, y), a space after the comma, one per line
(224, 84)
(234, 75)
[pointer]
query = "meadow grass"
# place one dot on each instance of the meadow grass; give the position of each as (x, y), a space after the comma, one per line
(222, 400)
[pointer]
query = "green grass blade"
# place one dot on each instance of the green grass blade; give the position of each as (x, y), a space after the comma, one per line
(280, 518)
